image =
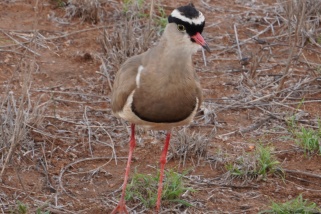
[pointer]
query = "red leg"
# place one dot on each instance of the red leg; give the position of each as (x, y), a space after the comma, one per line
(121, 207)
(161, 175)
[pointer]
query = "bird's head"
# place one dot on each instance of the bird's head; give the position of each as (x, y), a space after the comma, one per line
(185, 25)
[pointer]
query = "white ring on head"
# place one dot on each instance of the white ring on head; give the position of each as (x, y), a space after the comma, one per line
(197, 21)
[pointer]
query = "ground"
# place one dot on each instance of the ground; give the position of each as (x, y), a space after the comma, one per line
(63, 151)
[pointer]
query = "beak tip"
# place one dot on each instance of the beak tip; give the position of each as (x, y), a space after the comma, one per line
(207, 48)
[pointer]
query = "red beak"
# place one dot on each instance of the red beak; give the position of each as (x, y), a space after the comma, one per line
(198, 38)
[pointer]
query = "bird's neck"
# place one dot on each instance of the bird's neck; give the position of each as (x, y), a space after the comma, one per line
(175, 56)
(171, 61)
(177, 49)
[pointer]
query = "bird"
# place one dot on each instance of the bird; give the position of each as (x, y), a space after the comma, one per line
(159, 89)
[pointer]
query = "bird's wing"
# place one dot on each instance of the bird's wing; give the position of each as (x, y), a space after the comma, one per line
(125, 82)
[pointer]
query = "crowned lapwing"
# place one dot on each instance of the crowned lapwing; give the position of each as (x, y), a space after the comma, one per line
(159, 89)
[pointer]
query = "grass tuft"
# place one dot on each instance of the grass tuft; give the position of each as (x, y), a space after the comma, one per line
(267, 163)
(18, 117)
(259, 164)
(297, 205)
(134, 5)
(143, 189)
(309, 140)
(87, 10)
(186, 145)
(20, 208)
(58, 3)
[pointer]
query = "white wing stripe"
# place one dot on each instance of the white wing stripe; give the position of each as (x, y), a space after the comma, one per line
(140, 68)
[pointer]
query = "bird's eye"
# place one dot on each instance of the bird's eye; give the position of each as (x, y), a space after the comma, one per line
(181, 28)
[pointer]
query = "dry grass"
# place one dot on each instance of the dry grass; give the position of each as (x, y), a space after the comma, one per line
(91, 11)
(302, 18)
(130, 36)
(187, 146)
(19, 115)
(87, 10)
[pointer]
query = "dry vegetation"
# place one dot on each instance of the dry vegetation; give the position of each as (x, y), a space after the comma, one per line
(62, 151)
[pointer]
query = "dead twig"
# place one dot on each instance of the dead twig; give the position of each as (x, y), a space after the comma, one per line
(237, 43)
(302, 173)
(89, 130)
(21, 44)
(64, 169)
(247, 129)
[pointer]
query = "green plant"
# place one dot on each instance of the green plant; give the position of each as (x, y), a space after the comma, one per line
(292, 121)
(318, 68)
(161, 20)
(266, 161)
(58, 3)
(126, 5)
(133, 4)
(319, 39)
(295, 206)
(292, 125)
(20, 208)
(39, 211)
(234, 170)
(143, 188)
(138, 8)
(309, 140)
(261, 162)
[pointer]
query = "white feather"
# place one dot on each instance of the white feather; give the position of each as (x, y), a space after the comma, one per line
(140, 69)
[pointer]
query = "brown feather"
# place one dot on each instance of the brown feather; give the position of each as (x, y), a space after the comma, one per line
(124, 82)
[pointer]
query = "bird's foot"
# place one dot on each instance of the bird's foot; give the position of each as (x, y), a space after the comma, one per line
(121, 208)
